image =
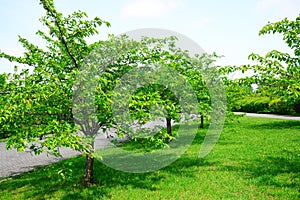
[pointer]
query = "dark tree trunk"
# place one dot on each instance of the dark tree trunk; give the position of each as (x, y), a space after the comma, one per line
(169, 126)
(88, 177)
(201, 122)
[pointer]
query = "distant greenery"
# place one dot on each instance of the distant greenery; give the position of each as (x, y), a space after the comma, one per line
(276, 74)
(255, 158)
(263, 104)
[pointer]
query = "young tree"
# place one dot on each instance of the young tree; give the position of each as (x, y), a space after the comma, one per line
(277, 73)
(39, 106)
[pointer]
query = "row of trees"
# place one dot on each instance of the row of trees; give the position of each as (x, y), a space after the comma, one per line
(67, 98)
(50, 106)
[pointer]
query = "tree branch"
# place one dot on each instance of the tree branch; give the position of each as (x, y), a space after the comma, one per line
(60, 37)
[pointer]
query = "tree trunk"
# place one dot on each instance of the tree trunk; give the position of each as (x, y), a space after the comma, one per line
(169, 126)
(88, 178)
(201, 122)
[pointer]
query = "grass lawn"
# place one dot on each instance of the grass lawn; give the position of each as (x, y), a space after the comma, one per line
(255, 158)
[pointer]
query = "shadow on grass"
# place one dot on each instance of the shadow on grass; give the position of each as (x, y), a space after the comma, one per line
(188, 162)
(279, 171)
(280, 124)
(44, 182)
(275, 170)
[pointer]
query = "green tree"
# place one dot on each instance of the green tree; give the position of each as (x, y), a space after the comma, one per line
(39, 108)
(127, 55)
(277, 73)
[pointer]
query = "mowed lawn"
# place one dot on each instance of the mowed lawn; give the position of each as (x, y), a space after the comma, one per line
(255, 158)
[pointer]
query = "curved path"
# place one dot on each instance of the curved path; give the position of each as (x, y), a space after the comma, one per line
(13, 162)
(273, 116)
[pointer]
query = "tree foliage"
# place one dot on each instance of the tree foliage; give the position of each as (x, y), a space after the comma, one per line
(39, 106)
(39, 102)
(277, 73)
(126, 55)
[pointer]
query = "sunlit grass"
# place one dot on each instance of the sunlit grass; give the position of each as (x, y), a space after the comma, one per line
(255, 158)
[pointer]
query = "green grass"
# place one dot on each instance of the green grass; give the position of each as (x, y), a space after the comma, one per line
(255, 158)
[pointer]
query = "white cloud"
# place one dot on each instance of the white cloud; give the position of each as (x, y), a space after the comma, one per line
(150, 8)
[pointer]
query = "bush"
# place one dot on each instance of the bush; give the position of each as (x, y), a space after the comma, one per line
(280, 106)
(255, 105)
(264, 104)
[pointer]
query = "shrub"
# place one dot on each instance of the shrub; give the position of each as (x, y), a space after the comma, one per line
(264, 104)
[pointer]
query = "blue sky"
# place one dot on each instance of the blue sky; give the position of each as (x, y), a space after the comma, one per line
(229, 27)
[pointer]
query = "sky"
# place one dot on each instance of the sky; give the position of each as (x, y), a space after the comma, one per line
(229, 28)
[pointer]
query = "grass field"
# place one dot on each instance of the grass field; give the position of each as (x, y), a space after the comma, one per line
(255, 158)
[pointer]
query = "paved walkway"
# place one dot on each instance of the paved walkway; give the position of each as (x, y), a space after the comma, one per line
(13, 162)
(287, 117)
